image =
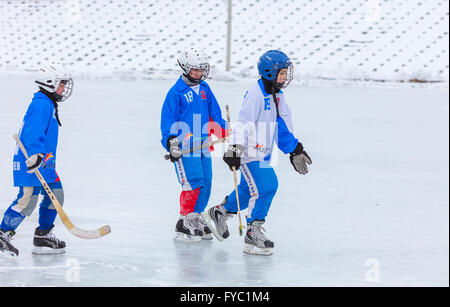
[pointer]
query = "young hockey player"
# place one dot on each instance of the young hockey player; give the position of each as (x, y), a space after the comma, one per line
(264, 118)
(39, 135)
(189, 113)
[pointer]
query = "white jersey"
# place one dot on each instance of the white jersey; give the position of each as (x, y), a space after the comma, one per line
(259, 127)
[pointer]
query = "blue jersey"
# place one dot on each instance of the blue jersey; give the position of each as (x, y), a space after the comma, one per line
(187, 112)
(39, 134)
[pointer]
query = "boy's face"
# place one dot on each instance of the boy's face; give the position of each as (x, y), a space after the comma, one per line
(61, 87)
(196, 73)
(282, 76)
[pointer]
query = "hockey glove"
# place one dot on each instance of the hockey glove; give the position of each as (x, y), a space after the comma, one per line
(233, 155)
(173, 144)
(34, 162)
(300, 159)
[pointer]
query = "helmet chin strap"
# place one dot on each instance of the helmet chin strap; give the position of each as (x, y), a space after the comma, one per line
(277, 85)
(57, 97)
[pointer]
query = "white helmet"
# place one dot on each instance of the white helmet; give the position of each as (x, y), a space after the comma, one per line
(191, 58)
(52, 77)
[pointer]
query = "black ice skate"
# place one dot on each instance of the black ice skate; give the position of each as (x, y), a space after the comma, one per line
(46, 243)
(6, 248)
(187, 228)
(216, 219)
(256, 242)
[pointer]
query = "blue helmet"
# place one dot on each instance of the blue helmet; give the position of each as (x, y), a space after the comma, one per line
(270, 64)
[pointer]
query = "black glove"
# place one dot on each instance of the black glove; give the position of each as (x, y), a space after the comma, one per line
(173, 144)
(299, 159)
(232, 156)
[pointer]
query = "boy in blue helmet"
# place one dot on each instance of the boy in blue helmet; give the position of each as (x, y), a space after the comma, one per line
(189, 113)
(39, 135)
(264, 118)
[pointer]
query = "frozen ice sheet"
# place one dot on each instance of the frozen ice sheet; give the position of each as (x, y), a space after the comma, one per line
(376, 197)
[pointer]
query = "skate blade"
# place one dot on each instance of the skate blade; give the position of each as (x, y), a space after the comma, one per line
(207, 237)
(208, 221)
(42, 250)
(254, 250)
(8, 254)
(182, 237)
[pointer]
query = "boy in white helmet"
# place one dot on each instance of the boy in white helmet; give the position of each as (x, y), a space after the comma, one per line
(189, 115)
(39, 135)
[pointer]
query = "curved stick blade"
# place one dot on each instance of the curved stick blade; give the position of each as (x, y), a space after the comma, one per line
(91, 234)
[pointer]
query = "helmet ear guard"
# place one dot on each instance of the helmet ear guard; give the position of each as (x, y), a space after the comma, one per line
(183, 67)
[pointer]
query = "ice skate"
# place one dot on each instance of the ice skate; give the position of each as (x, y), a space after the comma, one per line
(187, 229)
(256, 242)
(6, 248)
(207, 233)
(216, 219)
(46, 243)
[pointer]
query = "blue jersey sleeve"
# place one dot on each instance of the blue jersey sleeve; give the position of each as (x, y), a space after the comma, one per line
(169, 116)
(35, 126)
(285, 139)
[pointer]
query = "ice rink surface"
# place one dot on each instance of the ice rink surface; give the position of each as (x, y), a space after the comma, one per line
(374, 210)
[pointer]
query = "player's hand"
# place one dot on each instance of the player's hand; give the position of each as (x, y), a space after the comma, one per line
(34, 162)
(300, 159)
(174, 148)
(233, 155)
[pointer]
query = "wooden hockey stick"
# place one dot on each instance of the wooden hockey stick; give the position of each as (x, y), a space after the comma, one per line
(200, 147)
(84, 234)
(241, 228)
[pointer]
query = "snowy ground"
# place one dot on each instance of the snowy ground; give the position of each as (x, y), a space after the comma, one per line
(376, 199)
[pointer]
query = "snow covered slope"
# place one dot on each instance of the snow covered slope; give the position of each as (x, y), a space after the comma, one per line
(378, 40)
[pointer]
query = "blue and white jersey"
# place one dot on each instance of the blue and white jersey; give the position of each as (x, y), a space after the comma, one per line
(258, 126)
(188, 113)
(39, 134)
